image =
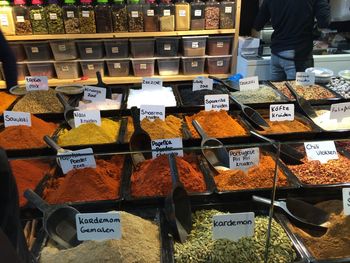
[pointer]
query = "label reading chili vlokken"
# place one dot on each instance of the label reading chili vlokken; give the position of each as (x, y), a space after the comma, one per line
(233, 226)
(167, 146)
(14, 118)
(321, 151)
(87, 116)
(216, 102)
(35, 83)
(282, 112)
(201, 83)
(251, 83)
(79, 159)
(346, 201)
(243, 159)
(152, 112)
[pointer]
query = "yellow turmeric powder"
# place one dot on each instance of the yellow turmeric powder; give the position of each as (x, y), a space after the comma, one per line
(5, 101)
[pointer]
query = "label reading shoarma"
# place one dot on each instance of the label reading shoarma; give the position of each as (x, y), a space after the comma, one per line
(152, 112)
(340, 111)
(250, 83)
(346, 201)
(94, 93)
(282, 112)
(321, 151)
(243, 159)
(304, 79)
(16, 118)
(79, 159)
(216, 102)
(87, 116)
(98, 226)
(152, 83)
(36, 83)
(167, 146)
(233, 226)
(201, 83)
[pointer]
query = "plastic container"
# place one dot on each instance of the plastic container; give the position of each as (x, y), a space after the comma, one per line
(21, 18)
(71, 17)
(166, 16)
(193, 65)
(37, 18)
(143, 67)
(227, 14)
(212, 14)
(194, 46)
(119, 16)
(117, 48)
(219, 45)
(219, 65)
(67, 70)
(41, 69)
(167, 46)
(135, 16)
(22, 70)
(90, 49)
(168, 66)
(7, 24)
(18, 50)
(183, 15)
(103, 17)
(87, 17)
(90, 67)
(37, 51)
(197, 15)
(118, 67)
(151, 16)
(63, 49)
(54, 17)
(142, 48)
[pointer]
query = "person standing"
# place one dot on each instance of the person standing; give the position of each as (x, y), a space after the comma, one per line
(292, 39)
(8, 60)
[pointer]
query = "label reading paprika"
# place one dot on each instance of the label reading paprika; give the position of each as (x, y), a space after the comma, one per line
(79, 159)
(167, 146)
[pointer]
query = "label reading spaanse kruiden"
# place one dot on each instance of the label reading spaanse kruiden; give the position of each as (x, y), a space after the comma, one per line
(216, 102)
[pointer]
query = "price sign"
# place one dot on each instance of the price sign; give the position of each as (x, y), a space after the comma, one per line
(201, 83)
(166, 146)
(304, 79)
(98, 226)
(250, 83)
(152, 83)
(87, 116)
(94, 93)
(36, 83)
(340, 111)
(321, 151)
(79, 159)
(282, 112)
(16, 118)
(152, 112)
(346, 201)
(216, 102)
(243, 159)
(233, 226)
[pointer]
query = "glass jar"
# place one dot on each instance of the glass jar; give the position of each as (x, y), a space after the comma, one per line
(103, 17)
(21, 18)
(166, 15)
(87, 17)
(119, 16)
(71, 17)
(37, 17)
(182, 20)
(7, 25)
(212, 14)
(54, 17)
(135, 16)
(227, 14)
(197, 15)
(151, 16)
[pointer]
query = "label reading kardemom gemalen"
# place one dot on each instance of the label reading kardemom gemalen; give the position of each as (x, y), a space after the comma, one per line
(339, 111)
(243, 159)
(87, 116)
(16, 118)
(321, 151)
(98, 226)
(152, 112)
(166, 146)
(282, 112)
(94, 93)
(216, 102)
(79, 159)
(233, 226)
(201, 83)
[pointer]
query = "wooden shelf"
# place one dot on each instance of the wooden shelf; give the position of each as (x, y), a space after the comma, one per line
(121, 35)
(119, 80)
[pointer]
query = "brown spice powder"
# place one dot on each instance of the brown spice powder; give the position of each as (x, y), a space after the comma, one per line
(286, 126)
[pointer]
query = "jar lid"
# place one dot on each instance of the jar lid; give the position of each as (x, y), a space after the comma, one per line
(102, 1)
(134, 1)
(119, 1)
(19, 2)
(69, 1)
(37, 2)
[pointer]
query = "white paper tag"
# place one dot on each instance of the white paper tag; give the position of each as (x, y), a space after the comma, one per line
(152, 83)
(321, 151)
(4, 20)
(220, 63)
(152, 112)
(233, 226)
(98, 226)
(115, 50)
(143, 66)
(167, 47)
(197, 12)
(90, 67)
(20, 19)
(216, 102)
(88, 50)
(34, 49)
(166, 12)
(228, 9)
(134, 14)
(243, 159)
(70, 14)
(340, 111)
(219, 44)
(168, 145)
(87, 116)
(79, 159)
(16, 118)
(37, 16)
(194, 64)
(86, 14)
(201, 83)
(150, 12)
(304, 79)
(94, 93)
(117, 66)
(62, 47)
(250, 83)
(346, 201)
(65, 68)
(53, 16)
(195, 45)
(281, 112)
(36, 83)
(182, 12)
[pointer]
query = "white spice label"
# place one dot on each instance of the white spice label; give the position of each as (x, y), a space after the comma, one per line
(37, 17)
(346, 201)
(182, 13)
(167, 47)
(150, 12)
(117, 66)
(88, 50)
(340, 111)
(243, 159)
(34, 83)
(134, 14)
(250, 83)
(143, 66)
(85, 13)
(216, 102)
(166, 12)
(322, 151)
(304, 79)
(98, 226)
(62, 48)
(20, 19)
(79, 159)
(228, 9)
(70, 14)
(195, 45)
(15, 118)
(197, 12)
(152, 112)
(201, 83)
(94, 93)
(220, 44)
(220, 63)
(4, 20)
(65, 68)
(281, 112)
(87, 116)
(152, 83)
(53, 16)
(115, 50)
(167, 146)
(34, 49)
(194, 64)
(90, 67)
(233, 226)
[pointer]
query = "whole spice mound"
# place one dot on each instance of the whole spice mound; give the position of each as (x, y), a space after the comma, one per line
(139, 244)
(201, 247)
(217, 124)
(90, 133)
(152, 177)
(5, 101)
(264, 94)
(158, 129)
(335, 243)
(25, 137)
(88, 184)
(315, 172)
(40, 101)
(190, 97)
(28, 174)
(286, 126)
(260, 176)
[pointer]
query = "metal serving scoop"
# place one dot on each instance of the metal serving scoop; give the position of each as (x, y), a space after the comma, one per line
(68, 110)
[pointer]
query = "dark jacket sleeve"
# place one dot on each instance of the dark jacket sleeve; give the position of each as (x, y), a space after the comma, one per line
(8, 60)
(263, 16)
(322, 13)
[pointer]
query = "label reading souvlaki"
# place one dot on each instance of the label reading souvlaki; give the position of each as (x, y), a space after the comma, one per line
(322, 151)
(339, 111)
(79, 159)
(98, 226)
(167, 146)
(36, 83)
(233, 226)
(304, 79)
(152, 112)
(282, 112)
(201, 83)
(87, 116)
(243, 159)
(16, 118)
(346, 201)
(216, 102)
(250, 83)
(94, 93)
(152, 83)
